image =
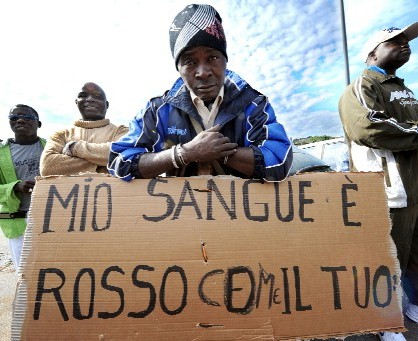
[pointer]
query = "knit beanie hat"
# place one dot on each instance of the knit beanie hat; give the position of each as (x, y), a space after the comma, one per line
(194, 26)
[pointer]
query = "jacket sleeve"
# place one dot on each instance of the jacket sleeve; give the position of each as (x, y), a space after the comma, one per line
(144, 136)
(9, 201)
(53, 162)
(268, 138)
(367, 121)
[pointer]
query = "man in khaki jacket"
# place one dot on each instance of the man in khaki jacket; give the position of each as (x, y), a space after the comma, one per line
(380, 116)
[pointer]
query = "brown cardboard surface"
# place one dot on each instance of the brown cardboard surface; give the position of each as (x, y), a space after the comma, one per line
(213, 258)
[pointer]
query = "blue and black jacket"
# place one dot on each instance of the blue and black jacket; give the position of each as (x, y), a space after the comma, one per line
(245, 116)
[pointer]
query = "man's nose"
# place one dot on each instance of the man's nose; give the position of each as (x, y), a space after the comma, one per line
(90, 98)
(203, 70)
(405, 43)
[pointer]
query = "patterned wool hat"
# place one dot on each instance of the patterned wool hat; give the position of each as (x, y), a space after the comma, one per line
(197, 25)
(379, 37)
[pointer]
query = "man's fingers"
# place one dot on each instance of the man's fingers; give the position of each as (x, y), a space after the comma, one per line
(229, 146)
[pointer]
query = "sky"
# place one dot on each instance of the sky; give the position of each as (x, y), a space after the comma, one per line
(291, 51)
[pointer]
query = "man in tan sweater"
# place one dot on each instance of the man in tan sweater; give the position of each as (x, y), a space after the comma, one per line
(85, 146)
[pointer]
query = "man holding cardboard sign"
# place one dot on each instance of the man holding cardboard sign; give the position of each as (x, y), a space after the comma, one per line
(210, 122)
(19, 165)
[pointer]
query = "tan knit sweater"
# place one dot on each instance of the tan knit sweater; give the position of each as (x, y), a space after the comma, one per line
(90, 152)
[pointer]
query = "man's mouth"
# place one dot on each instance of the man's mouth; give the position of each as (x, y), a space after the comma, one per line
(205, 87)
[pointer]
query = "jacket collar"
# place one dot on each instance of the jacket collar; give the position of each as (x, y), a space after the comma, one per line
(380, 77)
(179, 96)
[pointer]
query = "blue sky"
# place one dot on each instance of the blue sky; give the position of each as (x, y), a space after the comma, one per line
(289, 50)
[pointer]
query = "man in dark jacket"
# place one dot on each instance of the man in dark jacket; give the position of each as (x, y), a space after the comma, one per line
(380, 115)
(210, 122)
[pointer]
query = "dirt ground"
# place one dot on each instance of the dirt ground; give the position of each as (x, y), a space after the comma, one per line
(8, 280)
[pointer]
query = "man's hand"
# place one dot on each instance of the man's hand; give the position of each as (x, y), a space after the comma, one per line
(24, 186)
(209, 145)
(68, 148)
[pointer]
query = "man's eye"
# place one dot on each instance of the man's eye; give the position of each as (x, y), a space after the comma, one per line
(396, 42)
(188, 62)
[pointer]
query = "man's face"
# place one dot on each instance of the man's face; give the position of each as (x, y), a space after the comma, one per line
(203, 68)
(393, 53)
(92, 103)
(24, 122)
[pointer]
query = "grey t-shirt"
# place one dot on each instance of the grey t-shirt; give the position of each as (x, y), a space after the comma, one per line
(26, 162)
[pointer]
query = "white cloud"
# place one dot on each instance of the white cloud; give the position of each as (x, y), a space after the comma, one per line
(289, 50)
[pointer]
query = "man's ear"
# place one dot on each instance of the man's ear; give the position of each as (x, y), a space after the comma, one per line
(76, 101)
(39, 124)
(107, 104)
(372, 54)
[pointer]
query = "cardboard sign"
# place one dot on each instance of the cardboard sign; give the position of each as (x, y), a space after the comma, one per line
(200, 258)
